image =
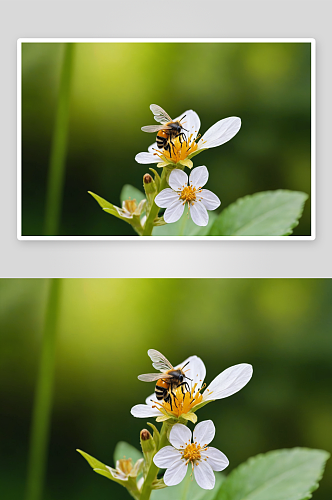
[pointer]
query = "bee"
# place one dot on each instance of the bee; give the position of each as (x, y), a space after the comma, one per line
(170, 379)
(169, 129)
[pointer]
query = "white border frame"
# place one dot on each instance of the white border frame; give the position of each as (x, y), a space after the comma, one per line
(312, 41)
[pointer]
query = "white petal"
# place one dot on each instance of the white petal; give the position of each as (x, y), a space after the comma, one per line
(153, 148)
(117, 474)
(228, 382)
(199, 177)
(123, 213)
(174, 212)
(137, 467)
(204, 475)
(215, 458)
(147, 158)
(142, 411)
(140, 483)
(199, 214)
(209, 199)
(180, 436)
(204, 432)
(166, 457)
(191, 123)
(175, 474)
(178, 179)
(166, 197)
(195, 370)
(220, 132)
(150, 400)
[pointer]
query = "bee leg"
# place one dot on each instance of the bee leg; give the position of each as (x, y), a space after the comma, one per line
(174, 398)
(169, 400)
(186, 385)
(172, 146)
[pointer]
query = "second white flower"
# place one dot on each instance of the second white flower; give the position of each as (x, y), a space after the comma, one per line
(204, 459)
(199, 200)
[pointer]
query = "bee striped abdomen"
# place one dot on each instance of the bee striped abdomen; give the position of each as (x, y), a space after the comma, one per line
(161, 389)
(162, 138)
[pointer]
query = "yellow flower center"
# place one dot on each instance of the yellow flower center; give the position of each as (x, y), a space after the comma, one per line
(180, 149)
(125, 465)
(130, 205)
(192, 452)
(188, 194)
(181, 403)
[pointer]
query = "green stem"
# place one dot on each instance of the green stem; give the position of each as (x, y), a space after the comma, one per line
(153, 471)
(43, 397)
(148, 228)
(59, 147)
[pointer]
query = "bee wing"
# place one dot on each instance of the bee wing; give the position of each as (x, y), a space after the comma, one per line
(152, 377)
(159, 362)
(160, 114)
(154, 128)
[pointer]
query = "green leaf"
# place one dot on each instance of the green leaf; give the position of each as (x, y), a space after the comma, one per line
(103, 203)
(100, 468)
(93, 462)
(107, 474)
(131, 192)
(185, 227)
(277, 475)
(125, 450)
(271, 213)
(188, 489)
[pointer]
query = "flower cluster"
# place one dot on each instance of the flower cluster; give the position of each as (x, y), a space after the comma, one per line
(178, 141)
(178, 149)
(179, 392)
(177, 403)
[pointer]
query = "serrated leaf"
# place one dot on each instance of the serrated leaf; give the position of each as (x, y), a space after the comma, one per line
(270, 213)
(188, 489)
(185, 227)
(129, 191)
(125, 450)
(93, 462)
(276, 475)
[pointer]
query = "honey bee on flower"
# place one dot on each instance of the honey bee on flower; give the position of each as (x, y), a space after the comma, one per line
(188, 402)
(180, 150)
(170, 379)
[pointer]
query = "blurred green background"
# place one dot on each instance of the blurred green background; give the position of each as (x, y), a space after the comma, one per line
(282, 326)
(266, 84)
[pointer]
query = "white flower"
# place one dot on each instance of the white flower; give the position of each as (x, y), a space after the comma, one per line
(124, 469)
(130, 208)
(199, 200)
(204, 459)
(225, 384)
(218, 134)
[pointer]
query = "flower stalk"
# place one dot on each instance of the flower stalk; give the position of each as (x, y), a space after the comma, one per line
(153, 470)
(153, 213)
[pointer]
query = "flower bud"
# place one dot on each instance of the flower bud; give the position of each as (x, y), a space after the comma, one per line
(147, 443)
(147, 178)
(150, 188)
(145, 435)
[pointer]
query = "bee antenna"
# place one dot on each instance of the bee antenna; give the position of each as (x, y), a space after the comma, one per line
(182, 118)
(188, 378)
(185, 365)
